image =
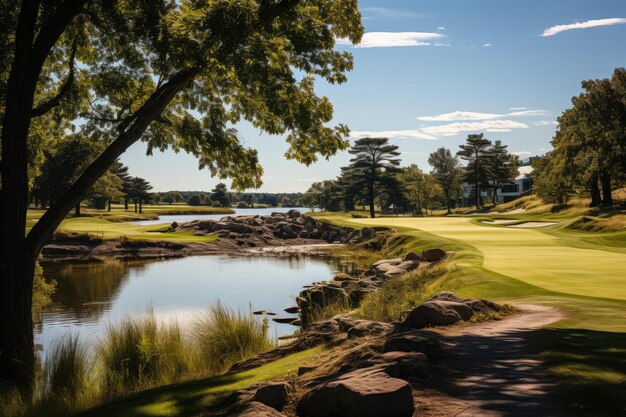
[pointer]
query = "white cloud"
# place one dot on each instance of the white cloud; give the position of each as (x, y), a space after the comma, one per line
(452, 129)
(486, 45)
(393, 39)
(522, 153)
(546, 123)
(551, 31)
(518, 108)
(468, 115)
(441, 28)
(390, 13)
(404, 134)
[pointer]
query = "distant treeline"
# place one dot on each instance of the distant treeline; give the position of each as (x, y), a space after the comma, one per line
(221, 197)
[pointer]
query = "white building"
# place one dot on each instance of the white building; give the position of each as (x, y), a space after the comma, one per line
(519, 187)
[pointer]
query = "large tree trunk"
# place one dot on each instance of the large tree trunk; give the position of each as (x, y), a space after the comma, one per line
(125, 203)
(370, 199)
(596, 200)
(77, 210)
(109, 209)
(607, 196)
(140, 206)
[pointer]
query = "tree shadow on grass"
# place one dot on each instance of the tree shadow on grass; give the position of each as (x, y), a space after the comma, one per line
(183, 399)
(590, 367)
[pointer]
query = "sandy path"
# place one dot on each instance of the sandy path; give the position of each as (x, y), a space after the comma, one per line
(497, 376)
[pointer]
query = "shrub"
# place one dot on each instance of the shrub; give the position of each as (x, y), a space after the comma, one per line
(224, 337)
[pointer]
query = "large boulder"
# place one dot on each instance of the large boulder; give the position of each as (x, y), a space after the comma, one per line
(433, 255)
(368, 392)
(272, 394)
(362, 328)
(438, 313)
(409, 366)
(414, 341)
(253, 409)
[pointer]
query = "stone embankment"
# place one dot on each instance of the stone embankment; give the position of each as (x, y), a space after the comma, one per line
(377, 364)
(239, 235)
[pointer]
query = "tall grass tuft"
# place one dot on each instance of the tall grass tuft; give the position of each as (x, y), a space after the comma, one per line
(138, 353)
(66, 375)
(224, 337)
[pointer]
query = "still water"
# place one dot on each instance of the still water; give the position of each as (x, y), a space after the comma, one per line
(91, 296)
(180, 218)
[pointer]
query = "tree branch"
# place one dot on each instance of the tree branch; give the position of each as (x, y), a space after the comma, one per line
(147, 113)
(67, 86)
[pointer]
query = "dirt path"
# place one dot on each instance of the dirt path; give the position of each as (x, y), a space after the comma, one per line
(496, 375)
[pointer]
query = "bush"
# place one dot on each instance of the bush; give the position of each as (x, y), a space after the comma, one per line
(224, 337)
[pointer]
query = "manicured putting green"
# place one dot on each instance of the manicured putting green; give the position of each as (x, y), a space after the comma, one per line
(530, 255)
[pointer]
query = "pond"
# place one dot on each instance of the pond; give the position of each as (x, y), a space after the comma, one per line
(91, 296)
(181, 218)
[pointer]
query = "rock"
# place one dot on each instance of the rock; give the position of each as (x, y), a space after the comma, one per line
(291, 310)
(343, 277)
(367, 231)
(438, 313)
(363, 328)
(368, 392)
(284, 320)
(395, 261)
(446, 296)
(253, 409)
(293, 214)
(414, 341)
(412, 256)
(404, 365)
(272, 394)
(304, 369)
(433, 255)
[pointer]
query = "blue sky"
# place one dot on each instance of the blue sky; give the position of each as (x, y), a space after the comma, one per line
(428, 73)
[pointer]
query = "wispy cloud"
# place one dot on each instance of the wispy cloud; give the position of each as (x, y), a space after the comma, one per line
(394, 39)
(551, 31)
(441, 28)
(546, 123)
(518, 108)
(469, 115)
(486, 45)
(453, 129)
(390, 13)
(402, 134)
(522, 153)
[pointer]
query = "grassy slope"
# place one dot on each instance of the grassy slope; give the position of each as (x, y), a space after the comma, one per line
(556, 267)
(191, 398)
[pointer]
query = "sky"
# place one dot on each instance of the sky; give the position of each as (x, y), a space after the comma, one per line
(430, 72)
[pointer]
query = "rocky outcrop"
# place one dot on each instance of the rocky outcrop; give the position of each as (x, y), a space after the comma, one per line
(275, 230)
(446, 308)
(368, 392)
(348, 291)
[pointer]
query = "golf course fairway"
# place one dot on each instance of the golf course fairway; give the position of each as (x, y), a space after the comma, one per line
(529, 255)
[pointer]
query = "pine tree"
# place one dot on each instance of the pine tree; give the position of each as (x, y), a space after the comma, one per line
(475, 151)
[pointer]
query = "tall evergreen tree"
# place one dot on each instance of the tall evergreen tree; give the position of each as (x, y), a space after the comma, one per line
(475, 152)
(219, 194)
(501, 168)
(447, 172)
(373, 168)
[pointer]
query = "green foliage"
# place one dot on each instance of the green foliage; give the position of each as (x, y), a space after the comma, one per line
(219, 196)
(422, 191)
(448, 173)
(224, 337)
(372, 171)
(475, 152)
(590, 144)
(397, 295)
(42, 292)
(194, 200)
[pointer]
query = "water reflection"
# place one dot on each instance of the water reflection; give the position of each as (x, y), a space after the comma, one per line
(181, 218)
(90, 296)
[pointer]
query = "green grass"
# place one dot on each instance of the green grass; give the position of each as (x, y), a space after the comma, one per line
(106, 229)
(582, 273)
(192, 398)
(224, 337)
